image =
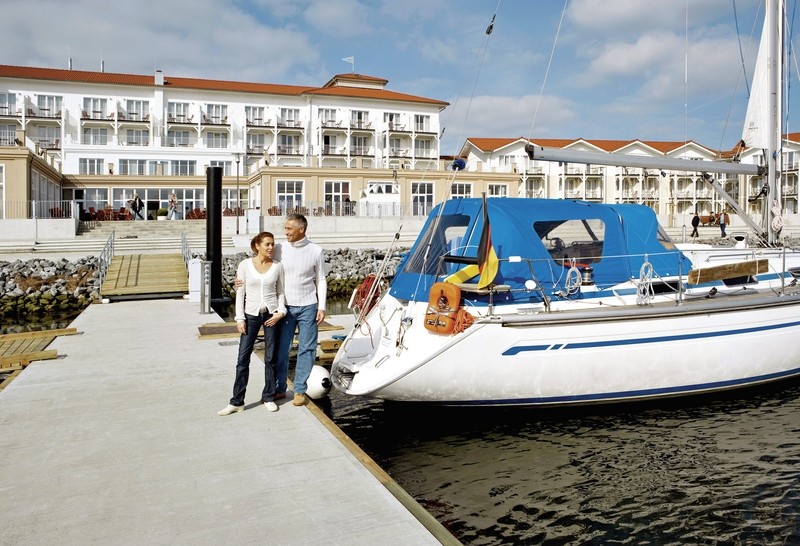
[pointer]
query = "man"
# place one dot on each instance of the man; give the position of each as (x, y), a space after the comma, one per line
(306, 291)
(695, 223)
(723, 221)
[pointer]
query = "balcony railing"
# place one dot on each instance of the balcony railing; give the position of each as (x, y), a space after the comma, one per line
(133, 116)
(289, 150)
(259, 122)
(354, 124)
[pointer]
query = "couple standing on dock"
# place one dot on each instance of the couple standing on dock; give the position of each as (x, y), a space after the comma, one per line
(282, 282)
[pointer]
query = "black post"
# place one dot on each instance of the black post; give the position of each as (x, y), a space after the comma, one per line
(219, 303)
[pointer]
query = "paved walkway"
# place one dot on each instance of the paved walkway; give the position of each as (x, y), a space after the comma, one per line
(118, 442)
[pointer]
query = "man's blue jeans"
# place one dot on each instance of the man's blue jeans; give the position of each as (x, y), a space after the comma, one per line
(305, 319)
(254, 323)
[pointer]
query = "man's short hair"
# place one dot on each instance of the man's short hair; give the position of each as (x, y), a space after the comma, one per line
(298, 218)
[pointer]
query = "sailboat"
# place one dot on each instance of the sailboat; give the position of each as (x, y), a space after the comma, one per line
(538, 302)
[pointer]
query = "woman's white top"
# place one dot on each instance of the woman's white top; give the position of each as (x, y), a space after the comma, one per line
(260, 291)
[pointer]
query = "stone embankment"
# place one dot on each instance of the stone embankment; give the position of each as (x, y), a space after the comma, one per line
(39, 288)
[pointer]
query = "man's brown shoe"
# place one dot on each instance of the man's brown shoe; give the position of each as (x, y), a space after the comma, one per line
(300, 400)
(280, 395)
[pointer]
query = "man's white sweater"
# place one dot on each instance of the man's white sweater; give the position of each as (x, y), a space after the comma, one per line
(304, 272)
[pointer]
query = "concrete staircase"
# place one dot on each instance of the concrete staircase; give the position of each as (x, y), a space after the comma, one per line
(129, 238)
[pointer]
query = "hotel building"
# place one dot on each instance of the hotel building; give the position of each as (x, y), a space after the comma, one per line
(78, 145)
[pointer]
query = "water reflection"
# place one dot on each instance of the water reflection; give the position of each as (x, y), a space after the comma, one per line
(713, 471)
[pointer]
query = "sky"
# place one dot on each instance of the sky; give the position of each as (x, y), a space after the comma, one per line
(669, 70)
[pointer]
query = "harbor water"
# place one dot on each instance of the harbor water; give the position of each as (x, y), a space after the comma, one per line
(721, 470)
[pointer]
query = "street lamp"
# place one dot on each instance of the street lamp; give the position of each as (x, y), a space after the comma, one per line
(237, 155)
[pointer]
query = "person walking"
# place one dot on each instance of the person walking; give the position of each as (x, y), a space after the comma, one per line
(723, 221)
(306, 292)
(136, 206)
(260, 305)
(695, 224)
(173, 207)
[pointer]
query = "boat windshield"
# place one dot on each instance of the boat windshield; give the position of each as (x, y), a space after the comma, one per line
(572, 241)
(446, 235)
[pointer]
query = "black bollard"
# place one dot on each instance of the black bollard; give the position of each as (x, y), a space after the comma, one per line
(219, 303)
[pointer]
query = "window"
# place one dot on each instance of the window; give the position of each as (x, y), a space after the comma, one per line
(290, 117)
(7, 135)
(94, 108)
(290, 194)
(422, 148)
(422, 123)
(290, 145)
(359, 119)
(216, 140)
(138, 110)
(329, 145)
(182, 167)
(95, 136)
(133, 167)
(359, 145)
(8, 104)
(337, 197)
(255, 143)
(178, 111)
(572, 240)
(254, 115)
(392, 121)
(217, 113)
(137, 137)
(178, 138)
(49, 137)
(2, 191)
(157, 168)
(421, 198)
(460, 189)
(49, 105)
(90, 166)
(498, 190)
(327, 117)
(226, 166)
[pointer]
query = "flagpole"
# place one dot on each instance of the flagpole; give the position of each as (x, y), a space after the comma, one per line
(352, 61)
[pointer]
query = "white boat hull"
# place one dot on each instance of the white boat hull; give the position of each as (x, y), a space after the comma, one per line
(552, 359)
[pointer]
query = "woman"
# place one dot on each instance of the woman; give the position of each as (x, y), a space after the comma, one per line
(260, 304)
(173, 207)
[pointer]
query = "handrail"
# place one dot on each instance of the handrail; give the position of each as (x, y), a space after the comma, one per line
(105, 257)
(185, 250)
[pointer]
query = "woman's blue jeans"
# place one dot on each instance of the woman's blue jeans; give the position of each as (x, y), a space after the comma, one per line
(254, 323)
(305, 319)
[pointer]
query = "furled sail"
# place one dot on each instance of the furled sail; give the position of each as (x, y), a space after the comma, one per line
(758, 124)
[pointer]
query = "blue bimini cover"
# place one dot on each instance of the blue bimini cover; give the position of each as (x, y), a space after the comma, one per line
(536, 239)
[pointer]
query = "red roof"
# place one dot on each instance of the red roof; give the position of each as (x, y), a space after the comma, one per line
(112, 78)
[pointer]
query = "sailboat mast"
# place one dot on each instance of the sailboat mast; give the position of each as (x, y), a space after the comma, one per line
(774, 27)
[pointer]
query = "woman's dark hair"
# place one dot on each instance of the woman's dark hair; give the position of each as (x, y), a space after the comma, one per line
(258, 238)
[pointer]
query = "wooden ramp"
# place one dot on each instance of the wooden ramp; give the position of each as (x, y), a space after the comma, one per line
(146, 276)
(19, 350)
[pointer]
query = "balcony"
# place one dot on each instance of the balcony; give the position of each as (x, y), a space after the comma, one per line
(288, 150)
(360, 150)
(95, 115)
(180, 119)
(41, 113)
(331, 124)
(332, 150)
(259, 122)
(399, 152)
(215, 120)
(289, 124)
(133, 117)
(95, 140)
(45, 144)
(397, 127)
(255, 149)
(361, 125)
(9, 111)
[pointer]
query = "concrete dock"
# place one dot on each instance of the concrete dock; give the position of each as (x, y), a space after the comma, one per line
(118, 441)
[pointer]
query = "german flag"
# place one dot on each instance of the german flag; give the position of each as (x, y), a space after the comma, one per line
(487, 257)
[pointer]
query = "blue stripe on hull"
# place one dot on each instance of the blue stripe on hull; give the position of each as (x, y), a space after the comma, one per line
(638, 395)
(646, 340)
